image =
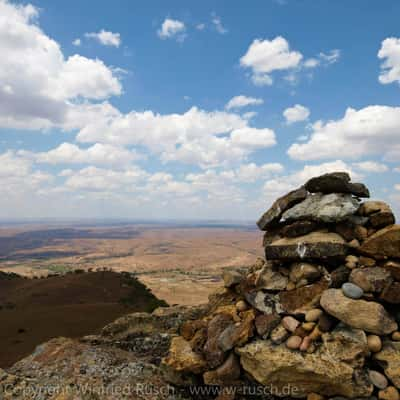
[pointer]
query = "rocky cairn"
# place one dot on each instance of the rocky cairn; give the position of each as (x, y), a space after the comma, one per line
(319, 315)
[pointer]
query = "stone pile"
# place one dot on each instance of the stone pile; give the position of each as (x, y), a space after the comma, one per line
(319, 315)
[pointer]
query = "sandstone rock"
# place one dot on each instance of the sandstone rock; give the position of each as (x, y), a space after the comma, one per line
(298, 228)
(325, 208)
(306, 344)
(308, 326)
(303, 270)
(382, 219)
(266, 323)
(394, 268)
(336, 182)
(269, 279)
(226, 374)
(389, 358)
(182, 358)
(294, 342)
(373, 279)
(321, 372)
(303, 299)
(316, 245)
(391, 293)
(361, 314)
(361, 232)
(241, 305)
(374, 343)
(314, 396)
(189, 328)
(231, 277)
(378, 380)
(352, 291)
(279, 334)
(367, 261)
(390, 393)
(273, 215)
(372, 206)
(290, 323)
(313, 315)
(379, 213)
(396, 336)
(384, 243)
(237, 334)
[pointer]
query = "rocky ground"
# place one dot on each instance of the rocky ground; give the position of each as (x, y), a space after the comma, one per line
(318, 318)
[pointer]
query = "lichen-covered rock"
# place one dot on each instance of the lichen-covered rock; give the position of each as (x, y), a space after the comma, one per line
(384, 243)
(325, 208)
(273, 215)
(360, 314)
(315, 245)
(389, 358)
(321, 372)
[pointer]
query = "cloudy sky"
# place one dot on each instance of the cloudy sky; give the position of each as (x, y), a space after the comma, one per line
(193, 110)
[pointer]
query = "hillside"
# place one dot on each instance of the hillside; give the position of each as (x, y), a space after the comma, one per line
(33, 311)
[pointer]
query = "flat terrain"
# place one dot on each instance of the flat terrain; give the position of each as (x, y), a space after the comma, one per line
(33, 311)
(181, 264)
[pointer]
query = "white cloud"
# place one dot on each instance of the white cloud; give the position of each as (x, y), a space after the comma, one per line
(311, 63)
(172, 28)
(371, 166)
(98, 154)
(200, 27)
(253, 138)
(396, 169)
(390, 52)
(249, 115)
(261, 80)
(296, 113)
(242, 101)
(106, 38)
(37, 81)
(330, 58)
(216, 20)
(77, 42)
(397, 187)
(266, 56)
(370, 130)
(252, 172)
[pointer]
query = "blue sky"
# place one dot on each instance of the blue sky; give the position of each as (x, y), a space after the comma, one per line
(204, 110)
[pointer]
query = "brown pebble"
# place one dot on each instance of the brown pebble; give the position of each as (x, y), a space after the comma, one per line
(367, 262)
(396, 336)
(315, 334)
(305, 344)
(325, 323)
(378, 380)
(361, 232)
(314, 396)
(374, 343)
(294, 342)
(300, 332)
(313, 315)
(390, 393)
(308, 326)
(290, 323)
(354, 244)
(241, 305)
(290, 286)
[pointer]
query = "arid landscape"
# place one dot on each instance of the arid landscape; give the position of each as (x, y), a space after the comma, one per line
(181, 264)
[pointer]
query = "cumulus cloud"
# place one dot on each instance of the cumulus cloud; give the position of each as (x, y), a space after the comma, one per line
(370, 130)
(105, 38)
(172, 28)
(37, 81)
(266, 56)
(77, 42)
(371, 166)
(242, 101)
(390, 53)
(296, 113)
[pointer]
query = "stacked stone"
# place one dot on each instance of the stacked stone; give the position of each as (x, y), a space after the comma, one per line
(320, 315)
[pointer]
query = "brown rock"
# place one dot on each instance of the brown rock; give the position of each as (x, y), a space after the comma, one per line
(396, 336)
(367, 261)
(290, 323)
(339, 276)
(361, 314)
(308, 326)
(315, 245)
(379, 213)
(303, 270)
(306, 344)
(390, 393)
(391, 293)
(189, 328)
(378, 380)
(382, 219)
(273, 215)
(298, 228)
(231, 277)
(313, 315)
(303, 299)
(226, 374)
(325, 323)
(394, 268)
(182, 358)
(372, 279)
(279, 334)
(360, 232)
(384, 243)
(269, 279)
(294, 342)
(241, 305)
(389, 358)
(374, 343)
(265, 323)
(314, 396)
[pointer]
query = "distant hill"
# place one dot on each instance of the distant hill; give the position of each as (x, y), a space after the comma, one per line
(76, 304)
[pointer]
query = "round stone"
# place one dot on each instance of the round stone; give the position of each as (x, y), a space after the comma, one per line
(241, 305)
(308, 326)
(390, 393)
(305, 344)
(313, 315)
(374, 343)
(290, 286)
(294, 342)
(290, 323)
(396, 336)
(378, 380)
(352, 291)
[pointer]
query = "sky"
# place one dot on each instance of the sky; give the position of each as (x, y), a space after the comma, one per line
(193, 110)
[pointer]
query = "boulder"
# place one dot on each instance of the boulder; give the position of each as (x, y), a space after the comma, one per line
(273, 215)
(384, 243)
(326, 208)
(231, 277)
(182, 358)
(366, 315)
(379, 213)
(336, 182)
(322, 372)
(389, 359)
(315, 245)
(298, 228)
(269, 279)
(373, 279)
